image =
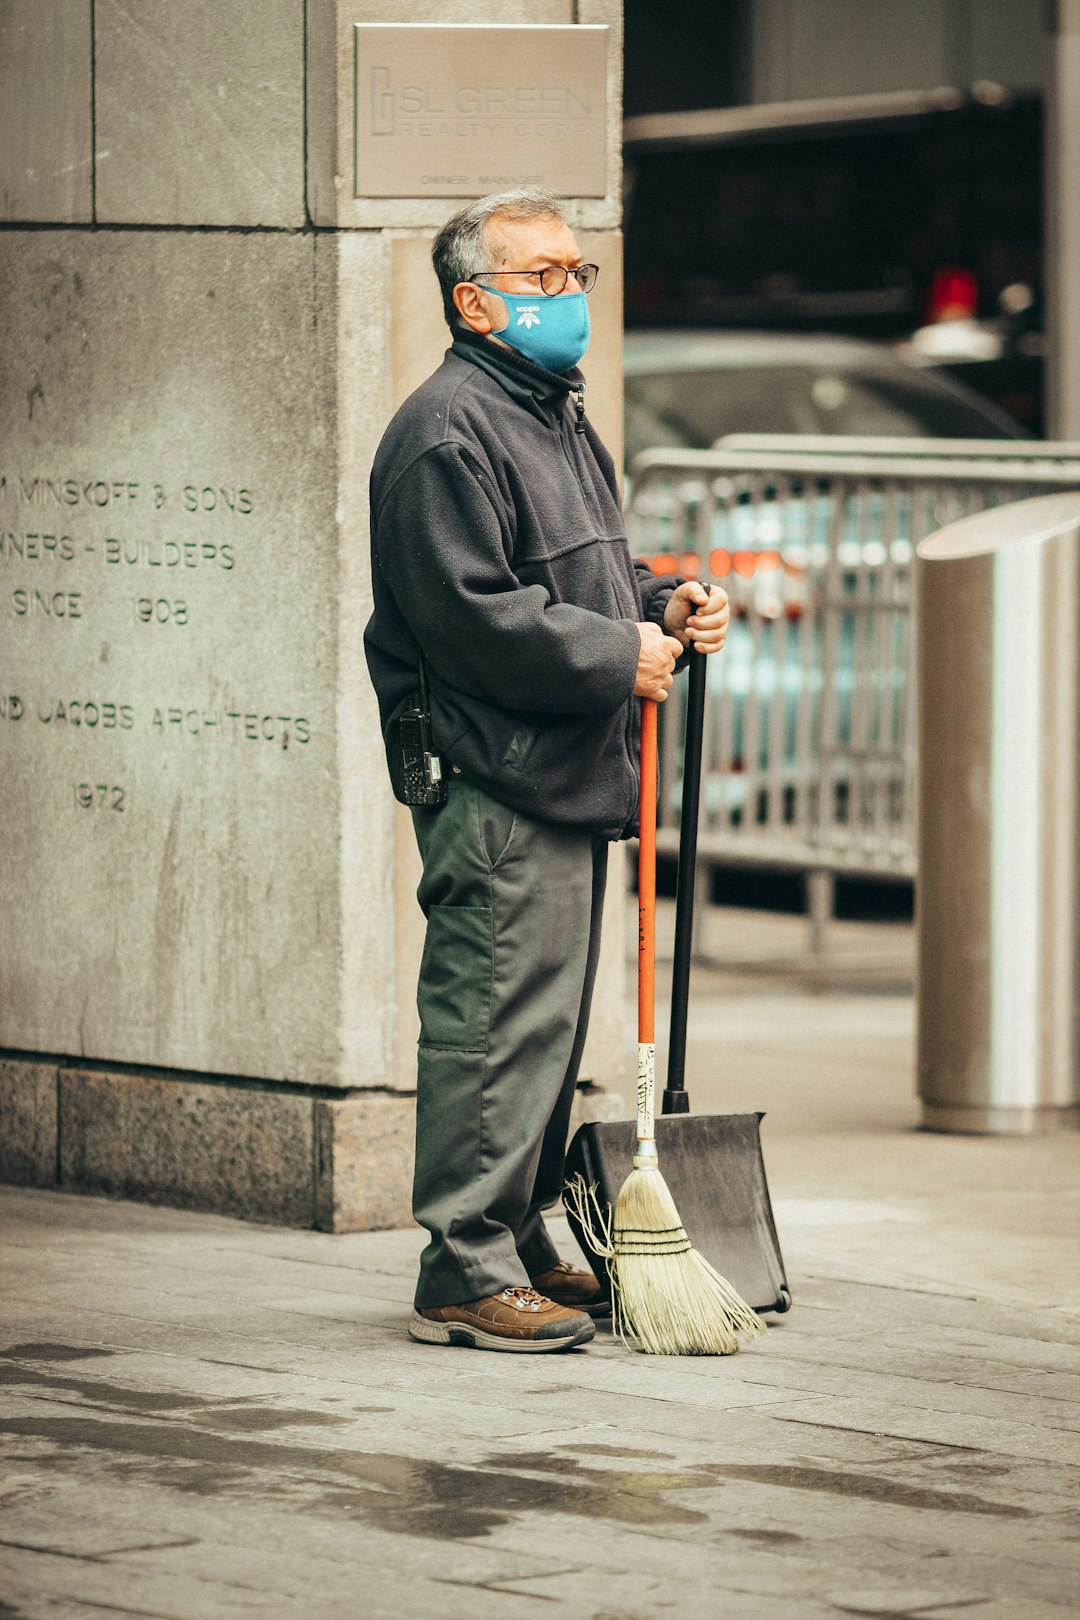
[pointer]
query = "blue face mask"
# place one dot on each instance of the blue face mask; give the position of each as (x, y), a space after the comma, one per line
(552, 332)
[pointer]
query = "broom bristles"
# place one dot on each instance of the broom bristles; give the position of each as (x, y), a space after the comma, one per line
(664, 1293)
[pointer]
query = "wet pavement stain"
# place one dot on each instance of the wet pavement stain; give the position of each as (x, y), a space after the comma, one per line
(617, 1451)
(868, 1487)
(421, 1497)
(104, 1554)
(773, 1538)
(632, 1482)
(909, 1614)
(403, 1495)
(251, 1413)
(972, 1470)
(245, 1419)
(51, 1352)
(97, 1391)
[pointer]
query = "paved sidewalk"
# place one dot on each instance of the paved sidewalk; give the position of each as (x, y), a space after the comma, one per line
(209, 1419)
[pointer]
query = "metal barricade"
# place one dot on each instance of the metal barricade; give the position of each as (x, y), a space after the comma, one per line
(811, 724)
(1054, 451)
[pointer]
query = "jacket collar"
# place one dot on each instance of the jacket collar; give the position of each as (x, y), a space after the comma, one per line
(540, 391)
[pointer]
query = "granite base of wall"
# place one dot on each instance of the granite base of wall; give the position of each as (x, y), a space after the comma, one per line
(28, 1134)
(262, 1152)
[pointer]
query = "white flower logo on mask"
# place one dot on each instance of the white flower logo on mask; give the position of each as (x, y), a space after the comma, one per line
(530, 316)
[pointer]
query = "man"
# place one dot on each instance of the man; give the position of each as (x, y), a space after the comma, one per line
(504, 589)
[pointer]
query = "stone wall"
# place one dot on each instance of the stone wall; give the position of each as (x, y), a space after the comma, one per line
(208, 962)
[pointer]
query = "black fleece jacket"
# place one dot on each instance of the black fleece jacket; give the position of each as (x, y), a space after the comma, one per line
(499, 547)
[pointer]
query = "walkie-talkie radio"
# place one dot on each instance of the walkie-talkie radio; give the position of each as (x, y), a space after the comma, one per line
(422, 769)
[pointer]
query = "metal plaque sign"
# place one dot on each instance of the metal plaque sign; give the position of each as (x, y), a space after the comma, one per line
(460, 110)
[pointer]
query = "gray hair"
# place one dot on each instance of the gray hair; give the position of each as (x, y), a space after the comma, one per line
(462, 249)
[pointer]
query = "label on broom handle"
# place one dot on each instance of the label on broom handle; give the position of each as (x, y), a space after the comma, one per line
(646, 1089)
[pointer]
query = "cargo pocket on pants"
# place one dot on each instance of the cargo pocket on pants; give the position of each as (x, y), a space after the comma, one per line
(454, 991)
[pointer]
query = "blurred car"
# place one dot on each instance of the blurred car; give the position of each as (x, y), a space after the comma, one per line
(689, 389)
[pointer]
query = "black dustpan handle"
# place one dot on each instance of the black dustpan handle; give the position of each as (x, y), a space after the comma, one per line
(675, 1099)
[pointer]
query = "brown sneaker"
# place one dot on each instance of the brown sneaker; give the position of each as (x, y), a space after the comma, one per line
(515, 1319)
(577, 1290)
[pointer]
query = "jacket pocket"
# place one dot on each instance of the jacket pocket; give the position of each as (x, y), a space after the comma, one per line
(520, 747)
(454, 992)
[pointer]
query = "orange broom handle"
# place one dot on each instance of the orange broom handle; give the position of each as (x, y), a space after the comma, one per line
(647, 876)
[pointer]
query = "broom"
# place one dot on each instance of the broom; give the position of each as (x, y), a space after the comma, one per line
(664, 1293)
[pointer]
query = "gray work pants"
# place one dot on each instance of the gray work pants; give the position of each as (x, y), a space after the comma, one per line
(513, 933)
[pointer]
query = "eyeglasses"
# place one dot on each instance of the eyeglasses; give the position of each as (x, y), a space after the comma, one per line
(553, 277)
